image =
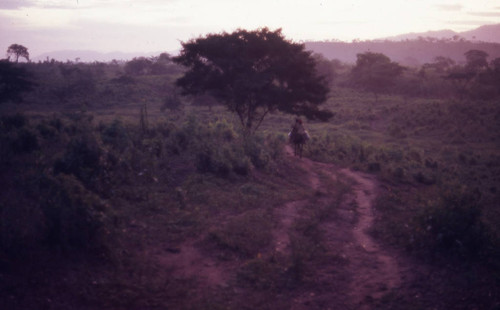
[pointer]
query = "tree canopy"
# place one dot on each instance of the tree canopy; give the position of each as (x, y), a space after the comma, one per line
(253, 73)
(476, 60)
(375, 72)
(17, 51)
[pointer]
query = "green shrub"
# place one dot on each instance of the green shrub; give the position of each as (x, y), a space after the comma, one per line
(224, 131)
(115, 134)
(81, 159)
(41, 210)
(275, 145)
(255, 149)
(452, 226)
(213, 161)
(74, 216)
(220, 150)
(178, 142)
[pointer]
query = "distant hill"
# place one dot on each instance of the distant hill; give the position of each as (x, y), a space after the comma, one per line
(407, 49)
(415, 49)
(439, 34)
(90, 56)
(408, 53)
(486, 33)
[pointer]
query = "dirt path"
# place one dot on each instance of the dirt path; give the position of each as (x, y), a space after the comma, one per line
(363, 271)
(373, 270)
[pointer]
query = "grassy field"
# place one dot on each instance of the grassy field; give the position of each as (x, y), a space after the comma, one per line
(92, 194)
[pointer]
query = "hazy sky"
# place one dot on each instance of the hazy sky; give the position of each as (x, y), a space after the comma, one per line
(160, 25)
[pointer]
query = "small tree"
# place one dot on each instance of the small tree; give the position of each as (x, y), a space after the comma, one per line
(326, 68)
(138, 66)
(469, 80)
(441, 64)
(495, 74)
(253, 73)
(18, 51)
(375, 72)
(172, 102)
(460, 78)
(476, 60)
(159, 64)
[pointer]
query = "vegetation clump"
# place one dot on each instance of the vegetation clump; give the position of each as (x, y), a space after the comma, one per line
(453, 227)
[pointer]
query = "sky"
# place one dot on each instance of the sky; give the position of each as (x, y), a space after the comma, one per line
(161, 25)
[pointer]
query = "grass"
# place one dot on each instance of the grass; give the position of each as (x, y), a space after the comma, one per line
(191, 173)
(246, 234)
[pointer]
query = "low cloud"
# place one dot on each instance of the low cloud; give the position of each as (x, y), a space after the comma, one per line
(485, 14)
(470, 22)
(449, 7)
(97, 36)
(15, 4)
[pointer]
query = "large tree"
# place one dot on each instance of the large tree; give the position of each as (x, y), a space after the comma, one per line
(17, 51)
(253, 73)
(375, 72)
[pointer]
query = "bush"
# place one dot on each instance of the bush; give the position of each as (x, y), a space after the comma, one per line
(220, 150)
(73, 215)
(257, 152)
(81, 159)
(50, 211)
(213, 161)
(452, 227)
(115, 135)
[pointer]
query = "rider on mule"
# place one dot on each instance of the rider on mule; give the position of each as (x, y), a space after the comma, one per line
(298, 136)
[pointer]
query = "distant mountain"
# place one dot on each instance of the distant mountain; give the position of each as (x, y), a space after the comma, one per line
(415, 49)
(486, 33)
(438, 34)
(408, 53)
(90, 56)
(406, 49)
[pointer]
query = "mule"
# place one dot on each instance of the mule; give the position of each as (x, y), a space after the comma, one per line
(298, 140)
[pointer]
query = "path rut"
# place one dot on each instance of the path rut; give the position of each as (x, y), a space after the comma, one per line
(374, 270)
(370, 271)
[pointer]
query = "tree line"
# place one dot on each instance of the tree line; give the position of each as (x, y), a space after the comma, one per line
(252, 73)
